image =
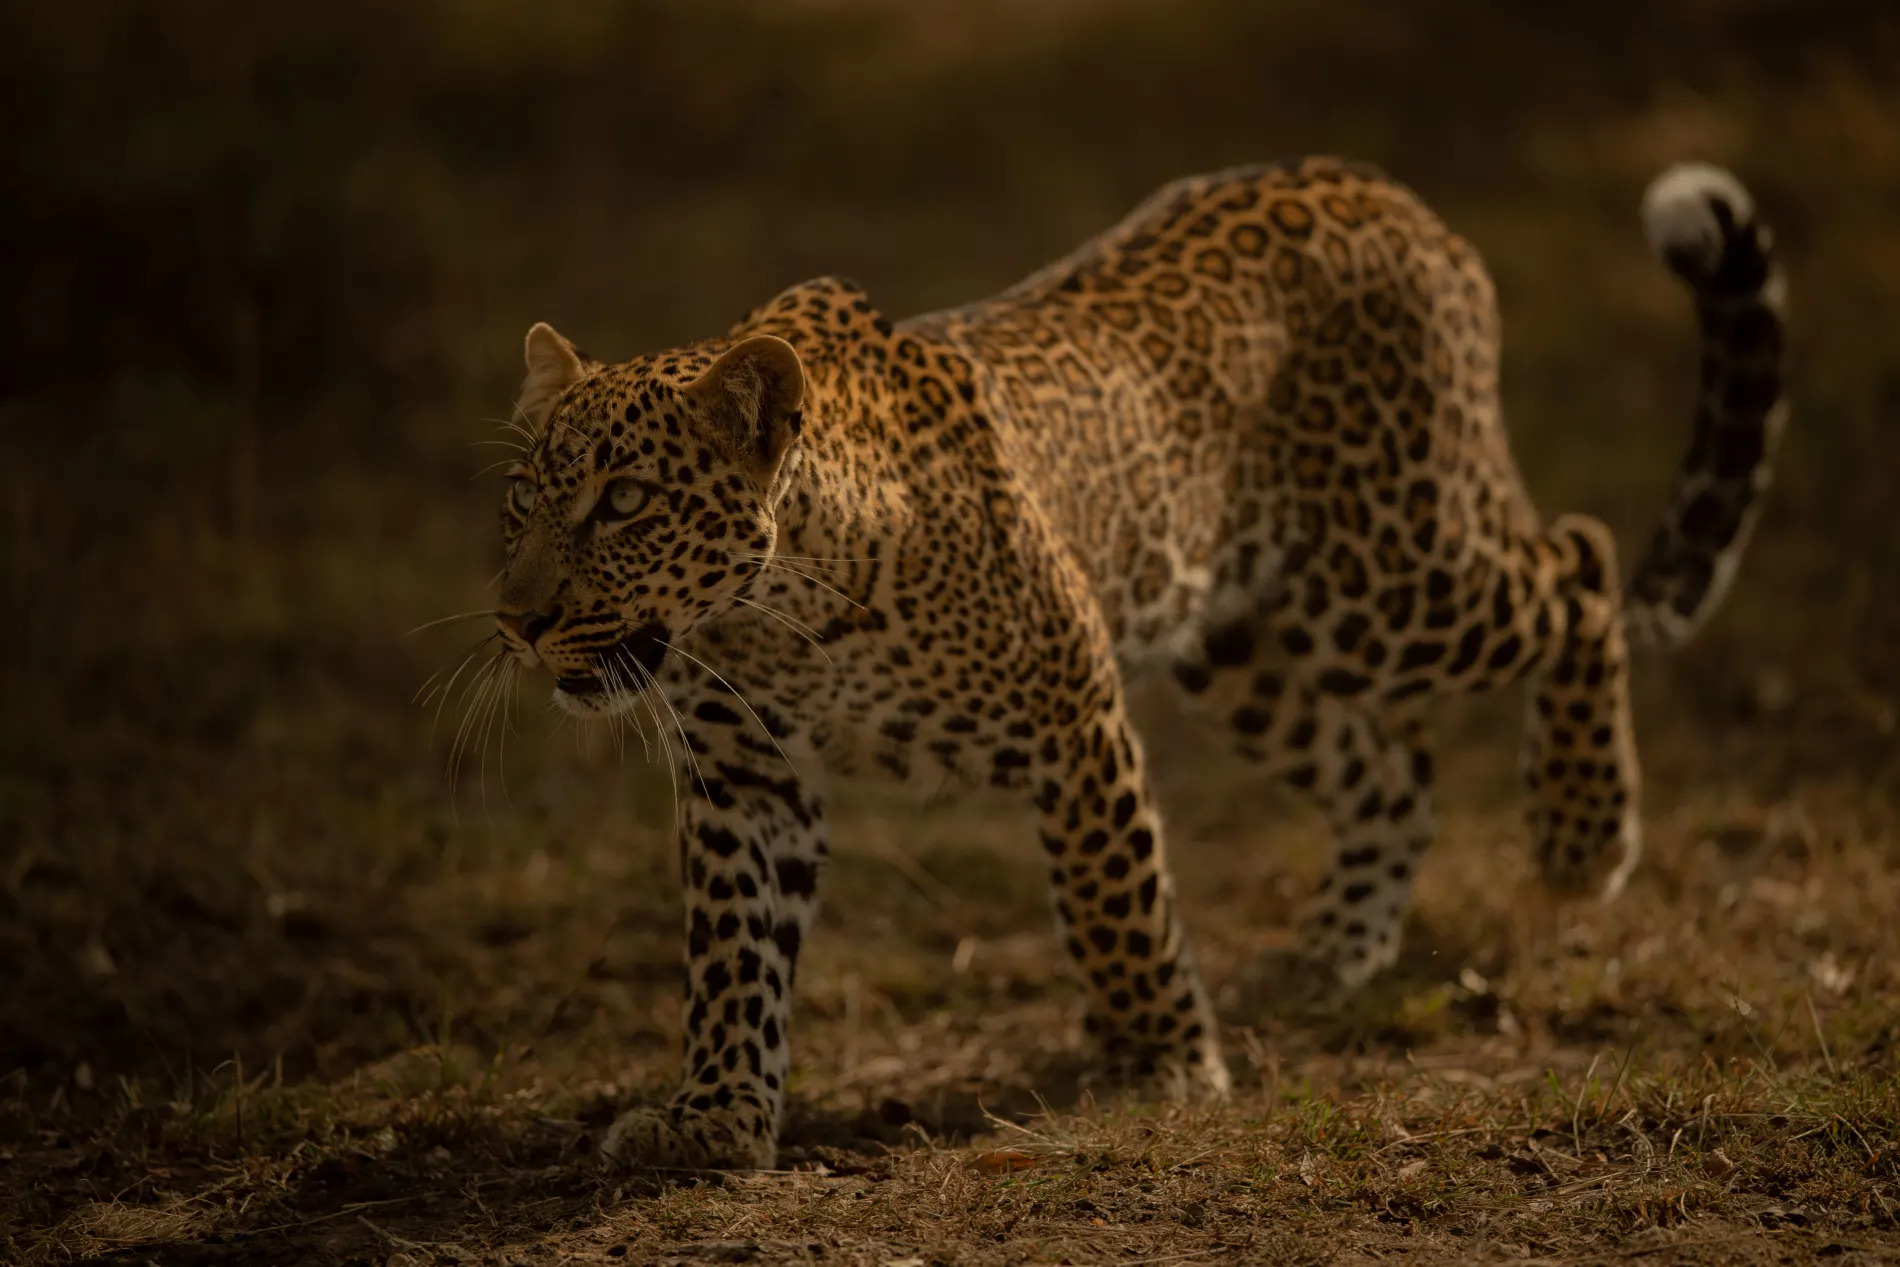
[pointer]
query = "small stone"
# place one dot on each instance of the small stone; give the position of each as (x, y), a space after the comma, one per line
(1774, 693)
(96, 961)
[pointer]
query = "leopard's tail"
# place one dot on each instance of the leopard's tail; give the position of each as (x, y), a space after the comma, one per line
(1701, 222)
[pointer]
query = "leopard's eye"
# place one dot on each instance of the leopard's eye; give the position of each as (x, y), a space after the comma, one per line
(623, 499)
(521, 492)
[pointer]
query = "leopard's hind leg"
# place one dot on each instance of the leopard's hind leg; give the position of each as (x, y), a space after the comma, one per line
(1368, 770)
(1579, 756)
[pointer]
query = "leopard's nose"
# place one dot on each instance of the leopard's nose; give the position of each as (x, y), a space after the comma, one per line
(529, 626)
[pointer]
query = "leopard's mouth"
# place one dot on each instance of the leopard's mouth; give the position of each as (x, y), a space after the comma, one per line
(645, 647)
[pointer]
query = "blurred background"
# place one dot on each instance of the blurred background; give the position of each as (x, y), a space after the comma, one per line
(266, 276)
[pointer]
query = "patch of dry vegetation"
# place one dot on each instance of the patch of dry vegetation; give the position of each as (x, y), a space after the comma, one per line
(275, 991)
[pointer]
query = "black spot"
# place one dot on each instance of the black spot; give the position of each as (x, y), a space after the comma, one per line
(1230, 646)
(1505, 653)
(718, 714)
(1194, 678)
(1343, 682)
(1010, 759)
(1469, 648)
(1252, 721)
(718, 839)
(796, 877)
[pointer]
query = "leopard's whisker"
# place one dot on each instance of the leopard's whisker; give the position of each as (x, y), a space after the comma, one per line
(472, 695)
(834, 566)
(503, 711)
(743, 703)
(686, 744)
(449, 686)
(628, 716)
(773, 564)
(647, 689)
(796, 626)
(514, 425)
(448, 620)
(621, 701)
(475, 700)
(486, 730)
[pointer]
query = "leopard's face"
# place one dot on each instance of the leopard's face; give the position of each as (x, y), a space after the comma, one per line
(644, 509)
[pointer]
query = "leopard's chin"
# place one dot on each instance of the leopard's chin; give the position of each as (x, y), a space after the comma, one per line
(589, 697)
(614, 684)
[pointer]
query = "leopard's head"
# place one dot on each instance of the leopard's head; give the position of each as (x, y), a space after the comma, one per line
(644, 506)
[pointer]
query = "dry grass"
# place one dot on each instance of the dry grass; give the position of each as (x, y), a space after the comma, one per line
(1703, 1069)
(277, 992)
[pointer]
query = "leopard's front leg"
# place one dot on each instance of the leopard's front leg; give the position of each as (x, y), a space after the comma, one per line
(752, 847)
(1148, 1012)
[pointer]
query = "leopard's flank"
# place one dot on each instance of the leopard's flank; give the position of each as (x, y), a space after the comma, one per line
(1250, 439)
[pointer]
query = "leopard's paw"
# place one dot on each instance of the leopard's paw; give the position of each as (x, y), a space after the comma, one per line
(1180, 1073)
(684, 1138)
(1314, 977)
(1338, 957)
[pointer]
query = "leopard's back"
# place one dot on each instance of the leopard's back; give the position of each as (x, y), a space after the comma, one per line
(1251, 368)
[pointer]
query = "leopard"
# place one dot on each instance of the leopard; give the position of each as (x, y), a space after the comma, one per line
(1246, 443)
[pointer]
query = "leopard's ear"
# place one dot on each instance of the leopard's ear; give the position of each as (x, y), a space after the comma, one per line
(553, 367)
(751, 397)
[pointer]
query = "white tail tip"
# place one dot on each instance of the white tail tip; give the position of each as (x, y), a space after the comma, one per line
(1679, 213)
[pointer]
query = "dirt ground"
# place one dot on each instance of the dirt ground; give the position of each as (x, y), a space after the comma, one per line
(276, 988)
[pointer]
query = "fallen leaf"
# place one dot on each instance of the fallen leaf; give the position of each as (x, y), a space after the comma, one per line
(1309, 1169)
(1002, 1161)
(1830, 975)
